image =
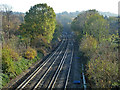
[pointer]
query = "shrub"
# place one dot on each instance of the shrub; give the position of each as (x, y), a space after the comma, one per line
(88, 45)
(11, 66)
(42, 51)
(103, 66)
(40, 55)
(105, 51)
(18, 45)
(103, 73)
(15, 56)
(7, 62)
(30, 53)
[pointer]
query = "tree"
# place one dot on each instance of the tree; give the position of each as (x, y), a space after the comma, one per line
(92, 23)
(6, 10)
(40, 20)
(113, 23)
(99, 47)
(10, 22)
(58, 30)
(97, 26)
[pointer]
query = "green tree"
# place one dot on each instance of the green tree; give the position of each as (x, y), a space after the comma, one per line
(97, 26)
(58, 30)
(113, 23)
(92, 23)
(40, 20)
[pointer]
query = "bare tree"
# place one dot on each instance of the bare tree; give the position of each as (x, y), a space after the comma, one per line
(6, 11)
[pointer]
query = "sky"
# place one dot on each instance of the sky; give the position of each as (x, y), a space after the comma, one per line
(65, 5)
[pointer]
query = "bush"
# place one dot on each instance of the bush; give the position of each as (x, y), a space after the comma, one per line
(88, 45)
(7, 61)
(12, 63)
(103, 66)
(14, 55)
(42, 51)
(106, 51)
(40, 55)
(103, 73)
(30, 53)
(18, 45)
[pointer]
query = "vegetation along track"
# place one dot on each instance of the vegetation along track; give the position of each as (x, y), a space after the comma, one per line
(45, 68)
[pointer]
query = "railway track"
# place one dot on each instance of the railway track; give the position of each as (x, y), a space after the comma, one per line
(53, 71)
(61, 79)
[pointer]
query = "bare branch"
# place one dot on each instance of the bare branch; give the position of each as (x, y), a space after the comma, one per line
(5, 8)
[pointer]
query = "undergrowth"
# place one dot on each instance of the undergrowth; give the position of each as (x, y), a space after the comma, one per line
(18, 68)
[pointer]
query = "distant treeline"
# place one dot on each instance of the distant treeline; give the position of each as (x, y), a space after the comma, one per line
(65, 18)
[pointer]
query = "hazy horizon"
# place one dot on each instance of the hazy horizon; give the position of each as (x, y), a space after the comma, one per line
(65, 5)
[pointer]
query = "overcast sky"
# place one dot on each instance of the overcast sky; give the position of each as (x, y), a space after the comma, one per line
(65, 5)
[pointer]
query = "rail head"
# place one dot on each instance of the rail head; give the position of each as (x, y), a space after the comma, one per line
(84, 81)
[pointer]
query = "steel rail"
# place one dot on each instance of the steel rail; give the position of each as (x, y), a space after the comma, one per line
(53, 81)
(38, 83)
(84, 81)
(26, 81)
(69, 70)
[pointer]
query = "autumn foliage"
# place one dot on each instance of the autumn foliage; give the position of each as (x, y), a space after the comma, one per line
(30, 53)
(100, 47)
